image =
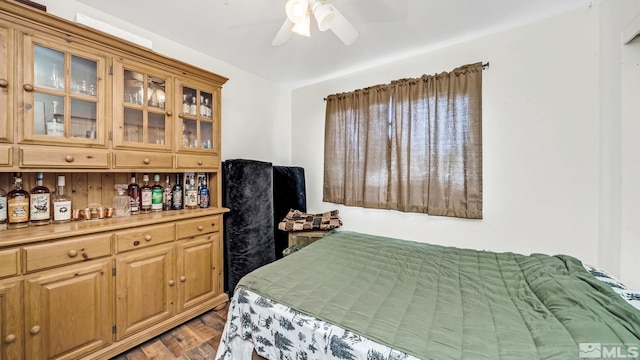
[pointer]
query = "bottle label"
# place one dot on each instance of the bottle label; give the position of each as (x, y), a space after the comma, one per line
(177, 199)
(61, 210)
(167, 197)
(18, 209)
(146, 197)
(156, 199)
(192, 198)
(204, 198)
(3, 209)
(40, 207)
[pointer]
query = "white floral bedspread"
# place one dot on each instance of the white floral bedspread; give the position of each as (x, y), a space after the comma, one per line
(278, 332)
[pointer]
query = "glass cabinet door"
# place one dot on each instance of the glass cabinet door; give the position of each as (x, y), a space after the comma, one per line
(6, 84)
(64, 94)
(142, 115)
(198, 118)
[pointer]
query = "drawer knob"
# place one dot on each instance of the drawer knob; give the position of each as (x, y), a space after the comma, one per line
(27, 87)
(169, 113)
(34, 330)
(200, 227)
(183, 278)
(147, 238)
(68, 158)
(9, 339)
(72, 253)
(171, 282)
(200, 162)
(180, 115)
(4, 83)
(146, 161)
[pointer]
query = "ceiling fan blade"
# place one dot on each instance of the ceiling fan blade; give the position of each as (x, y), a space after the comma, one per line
(283, 34)
(343, 28)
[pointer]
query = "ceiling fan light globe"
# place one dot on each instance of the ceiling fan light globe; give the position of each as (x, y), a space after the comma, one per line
(303, 27)
(325, 17)
(297, 10)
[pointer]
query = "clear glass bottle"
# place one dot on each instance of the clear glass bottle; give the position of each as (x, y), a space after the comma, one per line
(167, 194)
(61, 203)
(204, 194)
(17, 205)
(203, 108)
(191, 194)
(176, 198)
(156, 194)
(145, 195)
(3, 209)
(208, 106)
(39, 199)
(185, 104)
(121, 202)
(55, 127)
(193, 107)
(134, 195)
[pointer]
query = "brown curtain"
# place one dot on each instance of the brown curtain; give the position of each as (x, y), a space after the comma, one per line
(414, 145)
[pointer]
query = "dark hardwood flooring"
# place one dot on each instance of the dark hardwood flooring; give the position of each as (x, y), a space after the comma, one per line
(196, 339)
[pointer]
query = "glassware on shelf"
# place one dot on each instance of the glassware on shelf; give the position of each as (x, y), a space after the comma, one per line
(55, 127)
(121, 202)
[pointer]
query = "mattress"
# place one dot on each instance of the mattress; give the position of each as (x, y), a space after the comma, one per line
(416, 300)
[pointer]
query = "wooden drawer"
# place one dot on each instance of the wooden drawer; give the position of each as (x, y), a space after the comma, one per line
(144, 236)
(197, 161)
(63, 252)
(6, 155)
(140, 161)
(52, 157)
(9, 262)
(199, 226)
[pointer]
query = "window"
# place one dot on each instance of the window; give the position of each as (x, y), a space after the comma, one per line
(414, 145)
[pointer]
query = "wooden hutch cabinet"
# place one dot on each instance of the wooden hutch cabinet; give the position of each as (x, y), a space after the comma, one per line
(92, 107)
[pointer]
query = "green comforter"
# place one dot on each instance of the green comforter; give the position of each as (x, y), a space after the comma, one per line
(436, 302)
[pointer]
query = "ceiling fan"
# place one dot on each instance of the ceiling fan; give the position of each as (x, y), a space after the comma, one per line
(327, 16)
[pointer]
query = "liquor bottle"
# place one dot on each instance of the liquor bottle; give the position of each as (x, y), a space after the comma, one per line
(203, 108)
(61, 203)
(17, 205)
(176, 198)
(167, 194)
(193, 108)
(134, 193)
(204, 194)
(191, 191)
(156, 194)
(185, 105)
(145, 195)
(55, 126)
(208, 106)
(39, 199)
(3, 209)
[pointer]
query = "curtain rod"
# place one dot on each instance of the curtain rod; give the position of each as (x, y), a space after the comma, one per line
(484, 67)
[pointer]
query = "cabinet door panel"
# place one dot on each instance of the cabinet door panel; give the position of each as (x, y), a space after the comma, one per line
(11, 337)
(68, 311)
(64, 93)
(197, 270)
(6, 84)
(144, 289)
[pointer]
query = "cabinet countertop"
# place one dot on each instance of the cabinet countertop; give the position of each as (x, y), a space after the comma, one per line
(32, 234)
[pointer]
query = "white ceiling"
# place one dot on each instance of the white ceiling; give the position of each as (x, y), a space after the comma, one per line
(239, 32)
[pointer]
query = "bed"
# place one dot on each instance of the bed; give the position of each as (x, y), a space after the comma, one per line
(358, 296)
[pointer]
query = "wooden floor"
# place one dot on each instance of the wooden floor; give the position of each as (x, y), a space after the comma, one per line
(194, 340)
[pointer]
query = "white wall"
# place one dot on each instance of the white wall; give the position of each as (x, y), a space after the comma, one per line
(265, 124)
(540, 141)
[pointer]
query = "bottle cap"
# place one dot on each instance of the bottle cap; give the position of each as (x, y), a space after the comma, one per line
(61, 180)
